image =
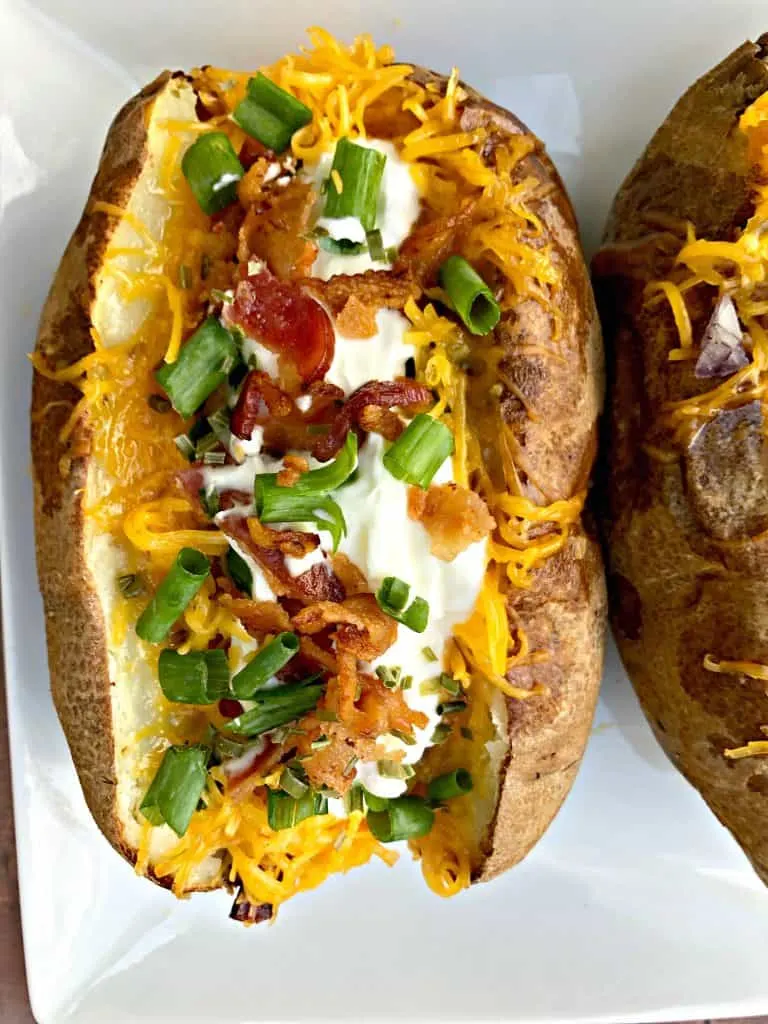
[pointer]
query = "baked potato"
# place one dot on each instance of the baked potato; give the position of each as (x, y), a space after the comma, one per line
(313, 421)
(681, 288)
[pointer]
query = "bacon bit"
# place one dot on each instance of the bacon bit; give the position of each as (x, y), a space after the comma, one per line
(286, 320)
(429, 245)
(453, 516)
(294, 466)
(275, 231)
(241, 784)
(294, 543)
(377, 289)
(192, 481)
(315, 617)
(402, 393)
(375, 420)
(346, 684)
(253, 150)
(363, 629)
(356, 320)
(378, 710)
(330, 766)
(250, 188)
(352, 579)
(314, 651)
(259, 399)
(260, 617)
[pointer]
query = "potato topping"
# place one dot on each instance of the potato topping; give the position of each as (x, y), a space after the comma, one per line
(453, 516)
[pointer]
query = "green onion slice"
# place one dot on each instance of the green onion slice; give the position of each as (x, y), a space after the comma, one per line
(273, 656)
(184, 579)
(450, 785)
(375, 803)
(203, 363)
(200, 677)
(360, 170)
(470, 295)
(281, 505)
(276, 707)
(325, 479)
(392, 597)
(284, 811)
(420, 451)
(340, 246)
(239, 572)
(293, 784)
(213, 170)
(353, 801)
(407, 817)
(270, 114)
(376, 246)
(177, 787)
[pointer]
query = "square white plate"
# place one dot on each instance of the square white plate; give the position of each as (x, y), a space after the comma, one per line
(636, 905)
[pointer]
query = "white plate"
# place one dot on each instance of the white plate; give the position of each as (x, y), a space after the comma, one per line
(636, 905)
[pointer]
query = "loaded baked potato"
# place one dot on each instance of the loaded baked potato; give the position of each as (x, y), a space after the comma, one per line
(681, 283)
(313, 421)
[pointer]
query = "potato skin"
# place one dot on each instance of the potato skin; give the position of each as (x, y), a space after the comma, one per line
(563, 612)
(688, 556)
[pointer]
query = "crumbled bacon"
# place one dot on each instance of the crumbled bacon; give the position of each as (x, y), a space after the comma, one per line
(352, 579)
(375, 420)
(275, 230)
(356, 320)
(294, 466)
(430, 244)
(364, 704)
(362, 628)
(250, 188)
(259, 399)
(453, 516)
(375, 289)
(294, 543)
(286, 320)
(333, 765)
(385, 394)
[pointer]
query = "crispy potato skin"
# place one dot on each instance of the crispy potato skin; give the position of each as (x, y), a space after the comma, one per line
(563, 612)
(688, 558)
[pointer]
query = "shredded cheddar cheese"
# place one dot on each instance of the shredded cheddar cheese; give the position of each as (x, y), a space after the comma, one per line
(753, 670)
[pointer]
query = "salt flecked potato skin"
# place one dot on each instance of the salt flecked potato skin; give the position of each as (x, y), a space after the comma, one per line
(563, 612)
(688, 563)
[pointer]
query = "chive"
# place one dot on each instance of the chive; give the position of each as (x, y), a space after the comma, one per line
(353, 801)
(406, 682)
(324, 715)
(407, 817)
(213, 170)
(185, 446)
(321, 742)
(239, 572)
(200, 677)
(405, 737)
(283, 811)
(390, 676)
(292, 784)
(450, 785)
(360, 170)
(214, 459)
(392, 597)
(206, 444)
(130, 584)
(225, 749)
(441, 733)
(449, 684)
(273, 656)
(185, 276)
(350, 765)
(209, 500)
(203, 363)
(470, 295)
(390, 254)
(184, 579)
(270, 114)
(429, 654)
(340, 246)
(451, 707)
(375, 245)
(173, 796)
(276, 707)
(467, 733)
(159, 403)
(420, 451)
(394, 770)
(375, 803)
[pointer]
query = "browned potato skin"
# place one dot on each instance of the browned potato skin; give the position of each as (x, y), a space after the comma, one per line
(688, 561)
(563, 612)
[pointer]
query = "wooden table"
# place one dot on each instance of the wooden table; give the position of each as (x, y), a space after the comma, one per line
(14, 1004)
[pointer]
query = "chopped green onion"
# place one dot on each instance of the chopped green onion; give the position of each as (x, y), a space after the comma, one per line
(214, 459)
(349, 767)
(449, 684)
(276, 504)
(392, 597)
(390, 254)
(322, 741)
(185, 276)
(270, 114)
(394, 770)
(200, 677)
(213, 170)
(420, 451)
(325, 479)
(292, 784)
(273, 656)
(469, 294)
(275, 707)
(451, 707)
(375, 245)
(360, 170)
(176, 788)
(130, 584)
(406, 817)
(353, 801)
(203, 363)
(283, 811)
(389, 675)
(209, 499)
(184, 579)
(185, 446)
(375, 803)
(340, 246)
(441, 734)
(446, 787)
(405, 737)
(239, 572)
(225, 748)
(466, 732)
(429, 654)
(324, 715)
